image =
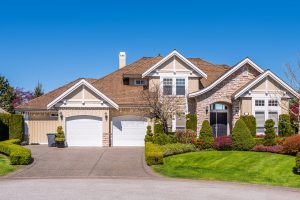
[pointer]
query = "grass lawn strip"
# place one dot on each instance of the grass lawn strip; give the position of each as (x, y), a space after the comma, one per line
(5, 166)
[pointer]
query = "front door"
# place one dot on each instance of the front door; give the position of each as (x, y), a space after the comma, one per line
(218, 121)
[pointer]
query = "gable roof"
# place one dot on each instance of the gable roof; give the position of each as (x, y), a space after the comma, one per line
(227, 74)
(112, 85)
(77, 85)
(181, 57)
(267, 73)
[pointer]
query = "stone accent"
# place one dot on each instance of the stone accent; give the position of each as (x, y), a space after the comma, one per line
(106, 140)
(222, 93)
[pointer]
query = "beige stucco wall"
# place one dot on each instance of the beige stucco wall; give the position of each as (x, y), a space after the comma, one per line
(193, 84)
(78, 94)
(246, 106)
(153, 82)
(39, 124)
(267, 84)
(284, 105)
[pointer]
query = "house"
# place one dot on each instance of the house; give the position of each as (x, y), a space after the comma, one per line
(109, 111)
(3, 111)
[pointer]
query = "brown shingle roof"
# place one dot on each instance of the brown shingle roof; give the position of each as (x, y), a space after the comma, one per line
(126, 95)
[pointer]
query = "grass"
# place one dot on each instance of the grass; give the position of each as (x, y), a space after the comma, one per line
(250, 167)
(5, 166)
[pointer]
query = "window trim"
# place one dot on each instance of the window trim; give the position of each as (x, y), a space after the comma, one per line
(174, 77)
(136, 80)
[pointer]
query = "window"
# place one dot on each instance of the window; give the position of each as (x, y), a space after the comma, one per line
(274, 117)
(139, 82)
(259, 103)
(273, 103)
(218, 106)
(167, 86)
(54, 115)
(260, 121)
(180, 86)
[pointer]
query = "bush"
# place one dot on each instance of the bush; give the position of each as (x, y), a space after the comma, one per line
(153, 154)
(291, 145)
(241, 137)
(158, 127)
(206, 138)
(161, 139)
(18, 154)
(191, 122)
(149, 135)
(284, 125)
(270, 134)
(11, 127)
(259, 141)
(176, 148)
(223, 143)
(271, 149)
(59, 136)
(185, 136)
(250, 122)
(297, 167)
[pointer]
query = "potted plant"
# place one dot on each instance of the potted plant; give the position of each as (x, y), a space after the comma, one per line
(60, 137)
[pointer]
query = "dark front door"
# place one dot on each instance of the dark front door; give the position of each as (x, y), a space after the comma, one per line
(218, 121)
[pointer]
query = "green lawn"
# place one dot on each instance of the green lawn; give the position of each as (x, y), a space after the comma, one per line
(5, 166)
(251, 167)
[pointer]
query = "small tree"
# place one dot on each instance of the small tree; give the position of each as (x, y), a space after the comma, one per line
(250, 122)
(6, 95)
(60, 137)
(241, 137)
(270, 134)
(191, 122)
(206, 139)
(149, 135)
(285, 128)
(38, 90)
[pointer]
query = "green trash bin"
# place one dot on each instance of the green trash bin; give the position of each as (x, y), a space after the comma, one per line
(51, 139)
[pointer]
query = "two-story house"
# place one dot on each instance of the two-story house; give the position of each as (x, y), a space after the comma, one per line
(110, 111)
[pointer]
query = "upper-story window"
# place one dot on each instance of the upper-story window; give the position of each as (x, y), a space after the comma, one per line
(180, 86)
(273, 103)
(139, 82)
(259, 103)
(167, 86)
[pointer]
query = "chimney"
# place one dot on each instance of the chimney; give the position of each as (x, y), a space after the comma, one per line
(122, 60)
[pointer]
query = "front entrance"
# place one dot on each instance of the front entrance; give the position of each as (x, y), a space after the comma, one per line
(219, 119)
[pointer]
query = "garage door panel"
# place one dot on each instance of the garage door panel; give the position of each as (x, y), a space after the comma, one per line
(84, 131)
(129, 131)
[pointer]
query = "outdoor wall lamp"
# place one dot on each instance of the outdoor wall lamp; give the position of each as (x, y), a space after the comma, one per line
(206, 110)
(61, 116)
(106, 116)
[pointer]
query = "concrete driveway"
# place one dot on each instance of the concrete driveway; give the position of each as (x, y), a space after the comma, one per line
(81, 162)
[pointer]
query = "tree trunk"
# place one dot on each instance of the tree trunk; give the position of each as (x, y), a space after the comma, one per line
(165, 125)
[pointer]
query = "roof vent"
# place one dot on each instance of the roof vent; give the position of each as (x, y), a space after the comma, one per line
(122, 60)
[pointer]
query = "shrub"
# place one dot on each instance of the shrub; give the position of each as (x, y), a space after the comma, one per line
(284, 125)
(161, 138)
(149, 135)
(250, 122)
(158, 127)
(176, 148)
(271, 149)
(206, 138)
(59, 136)
(259, 141)
(223, 143)
(185, 136)
(18, 154)
(11, 127)
(270, 134)
(292, 145)
(191, 122)
(241, 137)
(4, 126)
(153, 154)
(297, 167)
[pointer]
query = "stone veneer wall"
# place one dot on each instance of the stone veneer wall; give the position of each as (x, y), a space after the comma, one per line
(223, 93)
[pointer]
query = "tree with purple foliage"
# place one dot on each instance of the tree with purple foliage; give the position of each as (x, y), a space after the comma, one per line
(21, 97)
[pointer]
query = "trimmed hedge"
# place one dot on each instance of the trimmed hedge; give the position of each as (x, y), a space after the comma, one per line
(291, 145)
(241, 137)
(11, 127)
(223, 143)
(250, 122)
(177, 148)
(284, 125)
(297, 167)
(270, 134)
(191, 122)
(153, 154)
(18, 154)
(206, 138)
(185, 136)
(149, 135)
(158, 127)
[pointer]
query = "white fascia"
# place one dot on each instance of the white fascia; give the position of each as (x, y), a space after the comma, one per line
(181, 57)
(74, 87)
(227, 74)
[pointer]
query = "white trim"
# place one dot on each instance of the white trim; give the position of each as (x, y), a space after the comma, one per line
(74, 87)
(174, 53)
(135, 82)
(261, 77)
(227, 74)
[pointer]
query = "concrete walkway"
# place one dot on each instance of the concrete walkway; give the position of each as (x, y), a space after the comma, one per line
(137, 189)
(83, 162)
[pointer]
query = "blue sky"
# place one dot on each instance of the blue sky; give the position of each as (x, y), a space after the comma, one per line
(55, 42)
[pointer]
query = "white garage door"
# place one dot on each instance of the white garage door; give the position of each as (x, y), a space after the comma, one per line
(84, 131)
(129, 131)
